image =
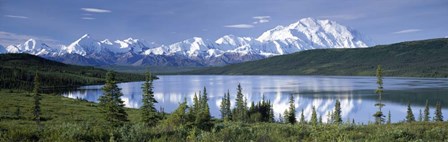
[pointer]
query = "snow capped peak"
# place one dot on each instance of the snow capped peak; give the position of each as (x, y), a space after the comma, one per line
(311, 33)
(106, 41)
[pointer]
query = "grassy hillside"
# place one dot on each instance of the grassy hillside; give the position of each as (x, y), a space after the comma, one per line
(426, 58)
(17, 71)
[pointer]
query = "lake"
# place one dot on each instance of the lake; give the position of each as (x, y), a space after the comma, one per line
(356, 94)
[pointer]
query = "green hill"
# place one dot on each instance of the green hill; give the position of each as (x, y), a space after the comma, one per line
(17, 72)
(426, 58)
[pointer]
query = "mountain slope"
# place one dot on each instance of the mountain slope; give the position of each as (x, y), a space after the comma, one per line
(426, 58)
(18, 70)
(305, 34)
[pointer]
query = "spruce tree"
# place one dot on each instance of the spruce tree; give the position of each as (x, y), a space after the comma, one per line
(420, 115)
(426, 112)
(223, 108)
(337, 113)
(388, 118)
(110, 102)
(37, 97)
(240, 112)
(302, 118)
(203, 118)
(320, 119)
(438, 113)
(409, 115)
(148, 110)
(379, 114)
(228, 105)
(314, 117)
(291, 111)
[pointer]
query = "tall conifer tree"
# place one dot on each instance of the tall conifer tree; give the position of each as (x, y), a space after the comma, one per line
(110, 102)
(337, 113)
(426, 112)
(410, 115)
(438, 113)
(314, 117)
(148, 110)
(291, 111)
(379, 116)
(37, 97)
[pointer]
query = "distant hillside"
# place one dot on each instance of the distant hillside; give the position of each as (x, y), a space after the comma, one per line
(18, 70)
(426, 58)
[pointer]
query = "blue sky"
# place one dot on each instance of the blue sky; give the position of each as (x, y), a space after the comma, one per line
(168, 21)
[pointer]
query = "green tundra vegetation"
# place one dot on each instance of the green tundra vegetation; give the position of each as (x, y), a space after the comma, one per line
(426, 58)
(62, 119)
(18, 70)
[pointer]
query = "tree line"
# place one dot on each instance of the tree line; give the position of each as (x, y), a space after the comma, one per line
(197, 116)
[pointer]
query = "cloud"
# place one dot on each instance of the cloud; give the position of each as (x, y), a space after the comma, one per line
(240, 26)
(88, 18)
(16, 16)
(343, 16)
(95, 10)
(261, 19)
(407, 31)
(7, 39)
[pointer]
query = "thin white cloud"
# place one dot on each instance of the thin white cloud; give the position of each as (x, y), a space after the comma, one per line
(88, 18)
(16, 16)
(95, 10)
(407, 31)
(7, 39)
(240, 26)
(343, 16)
(261, 19)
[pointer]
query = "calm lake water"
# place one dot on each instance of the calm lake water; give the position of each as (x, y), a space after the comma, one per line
(356, 94)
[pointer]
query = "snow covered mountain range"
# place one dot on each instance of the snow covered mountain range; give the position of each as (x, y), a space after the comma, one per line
(305, 34)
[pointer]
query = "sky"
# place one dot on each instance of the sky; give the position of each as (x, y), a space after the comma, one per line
(169, 21)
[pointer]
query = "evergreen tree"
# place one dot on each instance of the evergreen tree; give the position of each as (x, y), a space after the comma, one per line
(420, 115)
(203, 118)
(337, 113)
(438, 113)
(320, 119)
(149, 112)
(240, 110)
(195, 108)
(291, 111)
(225, 107)
(379, 114)
(426, 112)
(329, 117)
(388, 118)
(271, 113)
(302, 118)
(37, 97)
(110, 102)
(314, 117)
(410, 116)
